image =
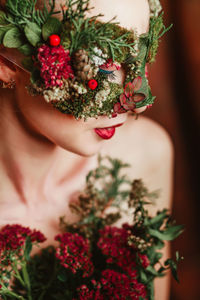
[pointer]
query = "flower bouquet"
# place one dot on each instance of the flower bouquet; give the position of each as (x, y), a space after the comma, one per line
(95, 258)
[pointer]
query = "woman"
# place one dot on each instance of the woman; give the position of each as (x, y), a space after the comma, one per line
(45, 154)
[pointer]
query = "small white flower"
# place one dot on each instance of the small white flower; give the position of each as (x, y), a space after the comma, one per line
(54, 94)
(155, 7)
(80, 89)
(100, 58)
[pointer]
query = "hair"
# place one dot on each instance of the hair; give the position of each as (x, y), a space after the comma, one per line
(2, 4)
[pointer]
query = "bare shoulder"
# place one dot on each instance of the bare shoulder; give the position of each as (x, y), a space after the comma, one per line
(148, 148)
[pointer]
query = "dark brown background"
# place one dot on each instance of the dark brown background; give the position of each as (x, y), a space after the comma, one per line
(175, 79)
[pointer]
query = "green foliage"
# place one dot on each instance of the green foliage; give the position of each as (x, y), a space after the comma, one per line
(42, 277)
(156, 31)
(75, 9)
(28, 63)
(33, 33)
(78, 104)
(52, 26)
(24, 26)
(13, 38)
(22, 11)
(89, 33)
(26, 49)
(104, 188)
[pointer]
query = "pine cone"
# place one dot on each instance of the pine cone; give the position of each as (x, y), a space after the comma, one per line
(82, 65)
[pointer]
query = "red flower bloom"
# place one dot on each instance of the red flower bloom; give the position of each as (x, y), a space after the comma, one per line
(92, 84)
(74, 253)
(113, 243)
(144, 260)
(12, 243)
(116, 285)
(13, 237)
(54, 65)
(84, 293)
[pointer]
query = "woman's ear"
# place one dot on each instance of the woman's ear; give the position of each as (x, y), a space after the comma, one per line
(7, 70)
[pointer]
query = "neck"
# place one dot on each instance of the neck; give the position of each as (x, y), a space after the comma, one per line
(31, 165)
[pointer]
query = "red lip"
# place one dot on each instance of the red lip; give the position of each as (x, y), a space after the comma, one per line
(107, 132)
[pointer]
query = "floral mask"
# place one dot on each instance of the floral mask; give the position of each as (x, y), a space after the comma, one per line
(73, 61)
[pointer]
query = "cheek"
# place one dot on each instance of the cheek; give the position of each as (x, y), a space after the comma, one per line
(58, 128)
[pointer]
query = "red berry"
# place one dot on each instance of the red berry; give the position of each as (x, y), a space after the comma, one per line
(54, 40)
(92, 84)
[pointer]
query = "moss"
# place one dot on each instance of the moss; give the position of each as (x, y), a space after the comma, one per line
(65, 35)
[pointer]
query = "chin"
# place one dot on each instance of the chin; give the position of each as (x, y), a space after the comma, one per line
(87, 151)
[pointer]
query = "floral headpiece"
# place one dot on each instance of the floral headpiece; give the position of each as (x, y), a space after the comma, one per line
(73, 61)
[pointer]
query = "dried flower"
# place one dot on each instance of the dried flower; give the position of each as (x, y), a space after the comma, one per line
(54, 65)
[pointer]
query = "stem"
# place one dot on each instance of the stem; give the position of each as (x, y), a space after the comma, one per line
(15, 295)
(10, 293)
(17, 274)
(45, 288)
(26, 280)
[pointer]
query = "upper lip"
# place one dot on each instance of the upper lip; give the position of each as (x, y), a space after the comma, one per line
(116, 125)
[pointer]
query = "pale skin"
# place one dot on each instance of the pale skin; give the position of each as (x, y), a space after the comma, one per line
(45, 154)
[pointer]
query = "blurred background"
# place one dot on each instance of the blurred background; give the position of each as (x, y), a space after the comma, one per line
(175, 80)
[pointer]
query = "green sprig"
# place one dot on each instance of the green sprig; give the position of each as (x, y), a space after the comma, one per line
(75, 9)
(156, 31)
(22, 11)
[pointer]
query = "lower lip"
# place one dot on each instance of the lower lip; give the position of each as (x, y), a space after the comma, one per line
(106, 133)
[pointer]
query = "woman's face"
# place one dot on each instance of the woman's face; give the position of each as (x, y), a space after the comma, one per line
(79, 136)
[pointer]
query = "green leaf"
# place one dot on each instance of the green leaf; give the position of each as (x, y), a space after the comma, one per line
(152, 271)
(143, 276)
(62, 277)
(28, 248)
(35, 76)
(13, 38)
(28, 64)
(26, 49)
(52, 26)
(33, 33)
(3, 20)
(3, 30)
(158, 219)
(169, 234)
(173, 266)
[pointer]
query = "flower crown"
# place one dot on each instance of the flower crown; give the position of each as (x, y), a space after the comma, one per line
(73, 61)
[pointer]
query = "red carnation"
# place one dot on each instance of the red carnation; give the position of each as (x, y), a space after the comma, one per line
(92, 84)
